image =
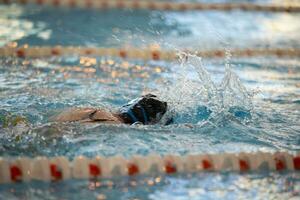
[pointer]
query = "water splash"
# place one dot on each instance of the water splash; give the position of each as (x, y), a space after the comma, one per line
(234, 93)
(194, 97)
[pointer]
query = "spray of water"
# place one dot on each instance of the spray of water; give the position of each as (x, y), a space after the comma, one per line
(194, 99)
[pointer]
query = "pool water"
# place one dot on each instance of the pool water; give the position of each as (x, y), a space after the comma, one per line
(220, 105)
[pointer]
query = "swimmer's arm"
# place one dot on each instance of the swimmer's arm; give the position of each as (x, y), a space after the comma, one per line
(74, 114)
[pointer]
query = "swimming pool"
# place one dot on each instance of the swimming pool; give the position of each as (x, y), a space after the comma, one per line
(264, 88)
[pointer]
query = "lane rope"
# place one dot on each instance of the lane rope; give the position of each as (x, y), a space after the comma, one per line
(25, 169)
(158, 5)
(134, 53)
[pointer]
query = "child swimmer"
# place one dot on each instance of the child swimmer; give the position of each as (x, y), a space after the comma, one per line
(147, 110)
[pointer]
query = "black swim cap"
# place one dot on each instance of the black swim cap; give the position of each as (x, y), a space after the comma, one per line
(146, 109)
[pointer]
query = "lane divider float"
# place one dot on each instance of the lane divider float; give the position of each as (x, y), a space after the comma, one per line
(24, 169)
(159, 5)
(134, 53)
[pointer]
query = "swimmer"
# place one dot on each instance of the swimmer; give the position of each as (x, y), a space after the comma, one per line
(146, 110)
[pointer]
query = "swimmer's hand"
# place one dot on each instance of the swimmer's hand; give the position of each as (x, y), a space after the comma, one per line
(8, 119)
(12, 120)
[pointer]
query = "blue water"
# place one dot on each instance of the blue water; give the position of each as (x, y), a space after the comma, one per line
(253, 104)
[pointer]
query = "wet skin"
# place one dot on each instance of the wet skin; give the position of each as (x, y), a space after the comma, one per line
(88, 115)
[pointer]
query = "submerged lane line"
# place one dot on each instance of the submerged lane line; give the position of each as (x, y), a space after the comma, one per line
(134, 53)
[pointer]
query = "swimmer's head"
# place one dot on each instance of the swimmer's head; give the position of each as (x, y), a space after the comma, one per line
(146, 109)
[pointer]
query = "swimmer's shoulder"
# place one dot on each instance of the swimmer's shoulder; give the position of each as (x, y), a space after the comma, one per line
(73, 114)
(101, 115)
(87, 115)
